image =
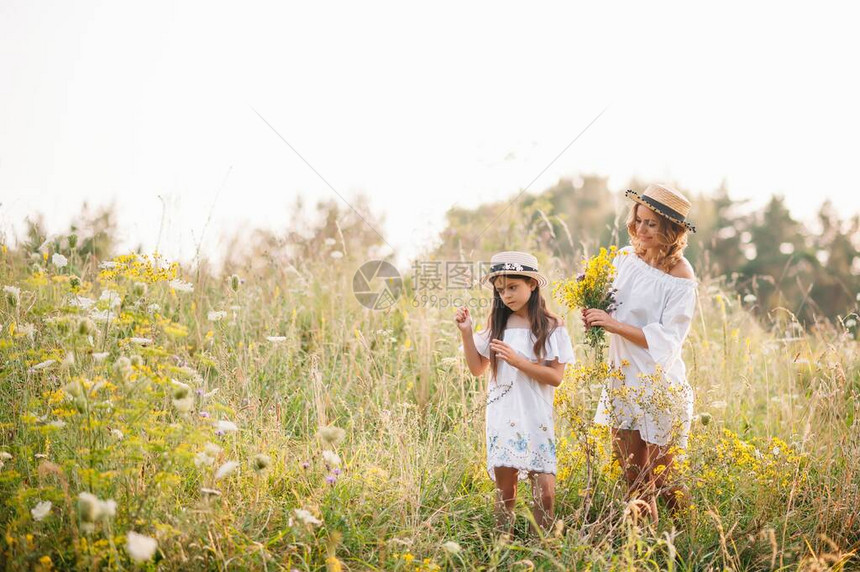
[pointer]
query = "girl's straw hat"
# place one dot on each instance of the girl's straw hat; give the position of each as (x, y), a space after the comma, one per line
(513, 262)
(665, 201)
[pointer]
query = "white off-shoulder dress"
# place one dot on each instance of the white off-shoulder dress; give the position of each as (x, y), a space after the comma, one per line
(520, 424)
(654, 396)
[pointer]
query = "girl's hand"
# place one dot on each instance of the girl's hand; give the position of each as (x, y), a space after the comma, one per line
(463, 319)
(593, 317)
(506, 353)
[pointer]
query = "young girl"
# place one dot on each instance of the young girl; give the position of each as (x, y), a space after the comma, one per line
(649, 411)
(526, 348)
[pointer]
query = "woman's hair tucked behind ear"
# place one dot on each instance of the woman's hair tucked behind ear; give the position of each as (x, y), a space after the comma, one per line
(671, 239)
(542, 321)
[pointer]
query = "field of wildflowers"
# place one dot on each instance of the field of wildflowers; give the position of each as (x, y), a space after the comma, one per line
(263, 419)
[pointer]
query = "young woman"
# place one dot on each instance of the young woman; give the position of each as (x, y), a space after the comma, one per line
(650, 408)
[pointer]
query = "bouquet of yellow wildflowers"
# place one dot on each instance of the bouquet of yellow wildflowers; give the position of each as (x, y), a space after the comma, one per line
(591, 289)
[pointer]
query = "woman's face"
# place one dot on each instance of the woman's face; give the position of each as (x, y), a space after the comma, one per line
(647, 225)
(514, 292)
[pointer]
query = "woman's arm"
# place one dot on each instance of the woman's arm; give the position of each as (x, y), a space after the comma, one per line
(551, 374)
(593, 317)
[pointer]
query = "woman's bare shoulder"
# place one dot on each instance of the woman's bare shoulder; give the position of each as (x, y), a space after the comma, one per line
(683, 269)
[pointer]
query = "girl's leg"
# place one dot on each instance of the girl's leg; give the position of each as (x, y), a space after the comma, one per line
(675, 494)
(506, 497)
(543, 496)
(633, 456)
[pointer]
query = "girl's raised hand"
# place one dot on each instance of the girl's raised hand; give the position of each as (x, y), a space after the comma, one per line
(463, 319)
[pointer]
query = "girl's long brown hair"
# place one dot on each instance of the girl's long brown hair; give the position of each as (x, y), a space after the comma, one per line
(671, 236)
(542, 321)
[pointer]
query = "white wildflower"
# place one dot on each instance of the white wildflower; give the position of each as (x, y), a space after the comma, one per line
(103, 316)
(184, 404)
(112, 298)
(226, 469)
(750, 298)
(261, 462)
(107, 265)
(153, 308)
(306, 517)
(181, 286)
(82, 302)
(59, 260)
(41, 510)
(332, 435)
(451, 547)
(26, 330)
(92, 509)
(216, 315)
(336, 254)
(225, 426)
(276, 339)
(331, 458)
(141, 548)
(13, 295)
(141, 341)
(117, 434)
(43, 365)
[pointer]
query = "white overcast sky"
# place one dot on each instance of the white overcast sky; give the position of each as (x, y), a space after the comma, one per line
(420, 106)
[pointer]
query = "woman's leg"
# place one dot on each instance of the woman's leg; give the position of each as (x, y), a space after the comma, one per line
(633, 457)
(675, 494)
(543, 496)
(506, 497)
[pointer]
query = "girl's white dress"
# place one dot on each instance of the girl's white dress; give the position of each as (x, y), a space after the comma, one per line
(653, 397)
(520, 432)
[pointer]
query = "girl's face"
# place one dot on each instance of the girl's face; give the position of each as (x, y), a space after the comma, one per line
(647, 225)
(514, 292)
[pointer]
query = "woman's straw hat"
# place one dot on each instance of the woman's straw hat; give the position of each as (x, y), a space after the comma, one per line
(666, 202)
(513, 262)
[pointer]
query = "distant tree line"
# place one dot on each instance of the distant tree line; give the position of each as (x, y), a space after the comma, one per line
(811, 270)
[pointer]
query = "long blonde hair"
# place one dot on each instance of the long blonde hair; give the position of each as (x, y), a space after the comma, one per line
(671, 238)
